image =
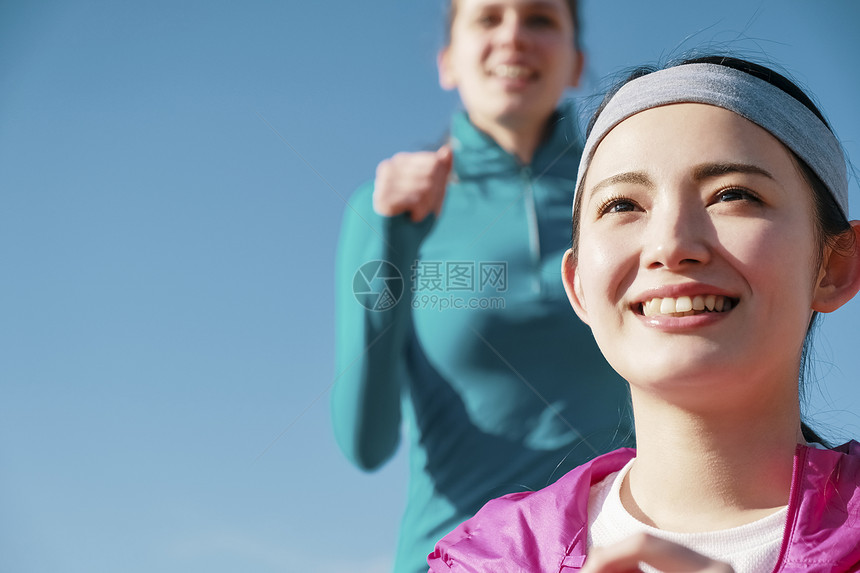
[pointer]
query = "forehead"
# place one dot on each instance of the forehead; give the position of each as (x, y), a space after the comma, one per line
(674, 138)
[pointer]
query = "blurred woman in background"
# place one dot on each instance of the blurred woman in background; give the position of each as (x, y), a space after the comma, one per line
(497, 385)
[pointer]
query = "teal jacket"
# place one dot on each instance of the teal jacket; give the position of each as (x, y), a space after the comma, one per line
(464, 336)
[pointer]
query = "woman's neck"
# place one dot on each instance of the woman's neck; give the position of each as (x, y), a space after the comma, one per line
(519, 138)
(705, 472)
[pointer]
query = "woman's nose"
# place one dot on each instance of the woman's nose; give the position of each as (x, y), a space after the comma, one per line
(512, 31)
(676, 237)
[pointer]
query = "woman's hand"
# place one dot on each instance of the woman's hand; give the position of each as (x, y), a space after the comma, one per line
(658, 553)
(412, 183)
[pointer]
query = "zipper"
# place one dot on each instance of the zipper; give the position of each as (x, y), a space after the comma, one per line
(533, 229)
(793, 503)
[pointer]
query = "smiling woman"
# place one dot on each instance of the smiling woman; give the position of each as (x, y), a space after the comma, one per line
(710, 229)
(499, 387)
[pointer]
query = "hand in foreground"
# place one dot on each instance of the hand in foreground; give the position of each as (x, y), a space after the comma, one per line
(412, 183)
(658, 553)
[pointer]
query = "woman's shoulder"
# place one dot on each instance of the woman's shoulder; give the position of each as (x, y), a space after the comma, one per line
(528, 531)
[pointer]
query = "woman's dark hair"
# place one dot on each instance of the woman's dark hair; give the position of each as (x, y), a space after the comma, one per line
(830, 222)
(573, 5)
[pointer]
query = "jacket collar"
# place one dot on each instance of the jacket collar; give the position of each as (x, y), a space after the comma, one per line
(823, 509)
(477, 155)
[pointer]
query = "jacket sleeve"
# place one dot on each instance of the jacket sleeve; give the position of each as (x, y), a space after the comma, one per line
(371, 344)
(498, 539)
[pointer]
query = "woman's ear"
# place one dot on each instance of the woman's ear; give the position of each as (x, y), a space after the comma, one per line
(447, 77)
(572, 286)
(839, 277)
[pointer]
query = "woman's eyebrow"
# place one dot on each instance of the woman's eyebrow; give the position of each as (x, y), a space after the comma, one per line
(709, 170)
(700, 172)
(632, 177)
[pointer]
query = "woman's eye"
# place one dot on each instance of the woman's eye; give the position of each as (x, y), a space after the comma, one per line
(540, 21)
(488, 20)
(735, 194)
(617, 205)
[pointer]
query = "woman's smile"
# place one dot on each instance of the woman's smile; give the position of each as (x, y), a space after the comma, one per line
(686, 306)
(513, 72)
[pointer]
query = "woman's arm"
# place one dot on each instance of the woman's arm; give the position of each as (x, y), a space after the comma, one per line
(382, 231)
(371, 342)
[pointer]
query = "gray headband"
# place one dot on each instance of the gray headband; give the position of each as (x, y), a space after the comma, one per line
(764, 104)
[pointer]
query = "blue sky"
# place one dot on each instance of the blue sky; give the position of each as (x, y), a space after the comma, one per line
(172, 179)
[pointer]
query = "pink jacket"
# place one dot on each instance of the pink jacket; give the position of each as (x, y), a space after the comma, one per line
(546, 530)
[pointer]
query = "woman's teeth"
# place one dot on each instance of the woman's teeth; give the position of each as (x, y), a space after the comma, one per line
(687, 306)
(511, 71)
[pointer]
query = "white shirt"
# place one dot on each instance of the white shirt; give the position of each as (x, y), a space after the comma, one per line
(750, 548)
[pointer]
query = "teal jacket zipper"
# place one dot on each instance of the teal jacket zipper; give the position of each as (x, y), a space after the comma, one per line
(533, 227)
